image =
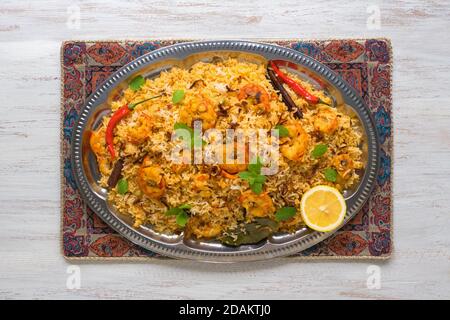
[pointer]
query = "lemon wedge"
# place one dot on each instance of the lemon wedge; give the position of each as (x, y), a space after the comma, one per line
(323, 208)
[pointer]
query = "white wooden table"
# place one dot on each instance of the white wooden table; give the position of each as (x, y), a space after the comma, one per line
(31, 32)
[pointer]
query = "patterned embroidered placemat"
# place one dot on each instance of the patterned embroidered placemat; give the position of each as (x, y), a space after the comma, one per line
(364, 63)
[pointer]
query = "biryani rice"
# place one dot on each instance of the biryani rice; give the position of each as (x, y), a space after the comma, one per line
(215, 200)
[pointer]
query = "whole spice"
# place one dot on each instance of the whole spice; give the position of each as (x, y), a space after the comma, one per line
(115, 174)
(198, 82)
(284, 94)
(250, 233)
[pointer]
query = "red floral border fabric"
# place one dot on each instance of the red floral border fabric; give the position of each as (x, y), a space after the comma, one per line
(365, 64)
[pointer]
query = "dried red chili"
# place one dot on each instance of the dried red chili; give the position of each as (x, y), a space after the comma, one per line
(118, 115)
(298, 88)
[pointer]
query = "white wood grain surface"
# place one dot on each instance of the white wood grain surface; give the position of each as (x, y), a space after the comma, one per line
(30, 35)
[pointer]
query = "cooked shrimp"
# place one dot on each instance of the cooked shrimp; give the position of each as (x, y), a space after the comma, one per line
(141, 130)
(297, 142)
(326, 121)
(199, 107)
(257, 92)
(98, 146)
(257, 205)
(231, 158)
(97, 141)
(178, 167)
(202, 229)
(150, 179)
(200, 181)
(227, 175)
(343, 164)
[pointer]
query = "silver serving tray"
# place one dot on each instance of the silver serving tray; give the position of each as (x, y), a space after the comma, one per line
(184, 55)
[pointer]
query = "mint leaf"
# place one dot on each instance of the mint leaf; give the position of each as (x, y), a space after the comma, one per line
(285, 213)
(256, 187)
(253, 176)
(180, 213)
(319, 150)
(177, 96)
(173, 211)
(248, 176)
(330, 174)
(245, 175)
(180, 125)
(260, 179)
(197, 140)
(282, 131)
(182, 218)
(188, 139)
(255, 167)
(251, 180)
(137, 83)
(122, 186)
